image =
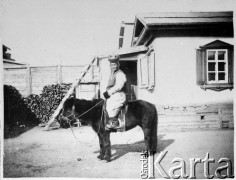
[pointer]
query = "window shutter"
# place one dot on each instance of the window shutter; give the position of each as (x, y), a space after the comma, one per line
(231, 65)
(201, 66)
(151, 63)
(144, 71)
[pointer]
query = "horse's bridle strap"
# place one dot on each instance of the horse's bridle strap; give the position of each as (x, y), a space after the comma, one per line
(89, 109)
(73, 109)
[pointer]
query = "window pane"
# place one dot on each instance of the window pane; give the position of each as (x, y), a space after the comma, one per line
(211, 66)
(221, 66)
(212, 76)
(221, 76)
(211, 55)
(221, 55)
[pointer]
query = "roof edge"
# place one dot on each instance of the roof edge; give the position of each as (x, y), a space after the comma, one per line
(124, 51)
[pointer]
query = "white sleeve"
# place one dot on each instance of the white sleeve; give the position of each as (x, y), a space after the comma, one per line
(120, 82)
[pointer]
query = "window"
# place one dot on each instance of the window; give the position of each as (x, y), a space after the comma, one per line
(147, 70)
(215, 66)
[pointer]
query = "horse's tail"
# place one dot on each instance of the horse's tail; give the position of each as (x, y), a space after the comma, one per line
(155, 139)
(156, 115)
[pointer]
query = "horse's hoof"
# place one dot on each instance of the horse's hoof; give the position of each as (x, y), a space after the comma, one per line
(107, 158)
(100, 156)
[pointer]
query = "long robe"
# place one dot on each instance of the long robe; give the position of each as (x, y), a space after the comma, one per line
(116, 93)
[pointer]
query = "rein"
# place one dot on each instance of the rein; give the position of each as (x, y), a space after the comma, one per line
(76, 117)
(81, 141)
(90, 109)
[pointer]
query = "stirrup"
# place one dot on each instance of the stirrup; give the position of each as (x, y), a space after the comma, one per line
(110, 125)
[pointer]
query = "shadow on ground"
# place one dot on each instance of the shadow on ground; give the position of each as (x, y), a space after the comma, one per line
(15, 131)
(122, 149)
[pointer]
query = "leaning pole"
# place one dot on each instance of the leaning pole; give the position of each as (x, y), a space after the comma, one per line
(70, 91)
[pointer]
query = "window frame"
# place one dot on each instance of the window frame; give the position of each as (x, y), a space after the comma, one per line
(216, 61)
(202, 78)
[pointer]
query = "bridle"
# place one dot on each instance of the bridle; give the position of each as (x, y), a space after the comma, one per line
(66, 118)
(77, 117)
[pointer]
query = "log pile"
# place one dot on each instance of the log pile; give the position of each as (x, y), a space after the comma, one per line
(16, 112)
(34, 108)
(44, 105)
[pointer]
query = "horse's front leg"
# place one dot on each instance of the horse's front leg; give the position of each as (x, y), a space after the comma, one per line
(107, 146)
(102, 148)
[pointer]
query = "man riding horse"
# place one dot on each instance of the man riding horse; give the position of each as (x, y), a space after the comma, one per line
(115, 92)
(139, 113)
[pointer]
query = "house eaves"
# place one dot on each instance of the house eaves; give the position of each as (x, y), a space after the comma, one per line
(146, 24)
(131, 50)
(126, 51)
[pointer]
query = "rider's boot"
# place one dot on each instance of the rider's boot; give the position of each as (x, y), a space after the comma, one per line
(113, 123)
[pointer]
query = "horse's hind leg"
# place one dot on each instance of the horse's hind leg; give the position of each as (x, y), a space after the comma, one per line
(102, 148)
(150, 137)
(107, 146)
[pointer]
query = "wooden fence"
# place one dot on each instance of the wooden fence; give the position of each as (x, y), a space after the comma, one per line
(31, 79)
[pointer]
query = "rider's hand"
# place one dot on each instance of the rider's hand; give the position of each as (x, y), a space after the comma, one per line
(106, 95)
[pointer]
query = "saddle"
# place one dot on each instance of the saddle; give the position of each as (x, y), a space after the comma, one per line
(121, 118)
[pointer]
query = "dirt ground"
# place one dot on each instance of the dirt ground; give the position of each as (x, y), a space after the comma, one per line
(56, 153)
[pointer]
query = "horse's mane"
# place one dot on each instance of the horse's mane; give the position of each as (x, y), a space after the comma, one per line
(70, 101)
(84, 102)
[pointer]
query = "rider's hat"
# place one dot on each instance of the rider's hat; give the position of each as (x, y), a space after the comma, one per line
(114, 58)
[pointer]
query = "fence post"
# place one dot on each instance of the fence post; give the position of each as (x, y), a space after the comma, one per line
(59, 74)
(29, 85)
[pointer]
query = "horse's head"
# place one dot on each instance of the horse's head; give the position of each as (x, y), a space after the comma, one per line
(68, 115)
(80, 109)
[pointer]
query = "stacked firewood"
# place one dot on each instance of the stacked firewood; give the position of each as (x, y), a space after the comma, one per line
(34, 107)
(16, 112)
(44, 105)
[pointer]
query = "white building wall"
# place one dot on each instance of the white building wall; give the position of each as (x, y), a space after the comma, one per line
(175, 74)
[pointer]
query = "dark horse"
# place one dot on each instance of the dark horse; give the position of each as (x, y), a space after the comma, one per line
(140, 113)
